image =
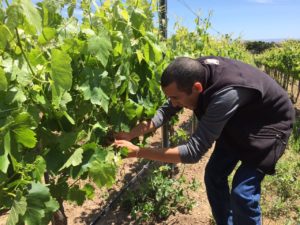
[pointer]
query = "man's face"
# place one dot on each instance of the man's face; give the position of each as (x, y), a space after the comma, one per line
(182, 99)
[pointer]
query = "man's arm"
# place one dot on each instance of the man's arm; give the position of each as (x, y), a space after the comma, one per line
(169, 155)
(222, 108)
(163, 114)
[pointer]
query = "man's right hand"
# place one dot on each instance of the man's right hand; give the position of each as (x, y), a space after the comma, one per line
(123, 136)
(141, 129)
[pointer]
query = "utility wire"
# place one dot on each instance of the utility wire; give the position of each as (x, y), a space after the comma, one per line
(183, 2)
(188, 7)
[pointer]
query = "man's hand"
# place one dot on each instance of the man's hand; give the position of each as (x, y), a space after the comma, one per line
(132, 149)
(141, 129)
(123, 136)
(169, 155)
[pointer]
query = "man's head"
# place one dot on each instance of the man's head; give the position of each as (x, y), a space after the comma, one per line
(182, 82)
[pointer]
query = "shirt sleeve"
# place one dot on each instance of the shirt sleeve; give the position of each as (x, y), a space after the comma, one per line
(221, 108)
(164, 114)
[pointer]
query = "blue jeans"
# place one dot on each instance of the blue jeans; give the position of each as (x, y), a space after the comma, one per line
(240, 206)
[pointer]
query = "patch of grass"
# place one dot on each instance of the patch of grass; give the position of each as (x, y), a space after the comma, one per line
(159, 196)
(281, 196)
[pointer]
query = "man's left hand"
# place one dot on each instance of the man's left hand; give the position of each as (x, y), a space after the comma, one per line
(132, 149)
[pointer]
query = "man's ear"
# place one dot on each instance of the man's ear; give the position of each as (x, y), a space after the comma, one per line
(198, 87)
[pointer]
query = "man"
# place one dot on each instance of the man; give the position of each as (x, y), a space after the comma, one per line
(241, 108)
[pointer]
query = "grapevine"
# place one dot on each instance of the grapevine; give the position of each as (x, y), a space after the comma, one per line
(67, 85)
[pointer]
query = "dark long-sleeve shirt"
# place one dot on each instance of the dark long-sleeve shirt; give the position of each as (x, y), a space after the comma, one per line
(221, 108)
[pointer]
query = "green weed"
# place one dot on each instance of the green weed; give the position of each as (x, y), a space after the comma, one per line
(159, 196)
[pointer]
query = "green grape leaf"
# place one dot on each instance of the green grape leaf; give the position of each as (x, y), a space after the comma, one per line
(39, 204)
(31, 14)
(61, 69)
(146, 52)
(92, 88)
(98, 97)
(137, 17)
(18, 209)
(3, 80)
(73, 45)
(133, 83)
(5, 35)
(118, 49)
(34, 215)
(50, 207)
(22, 130)
(76, 195)
(47, 35)
(103, 174)
(24, 119)
(89, 191)
(7, 65)
(67, 140)
(14, 14)
(59, 189)
(71, 9)
(39, 168)
(132, 109)
(119, 120)
(157, 52)
(66, 98)
(101, 127)
(101, 171)
(74, 160)
(25, 136)
(4, 161)
(139, 55)
(100, 46)
(36, 57)
(61, 74)
(23, 75)
(89, 150)
(123, 152)
(15, 95)
(152, 51)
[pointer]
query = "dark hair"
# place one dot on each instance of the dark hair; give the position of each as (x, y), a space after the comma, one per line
(185, 72)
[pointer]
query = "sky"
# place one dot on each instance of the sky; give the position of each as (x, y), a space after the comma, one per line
(248, 19)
